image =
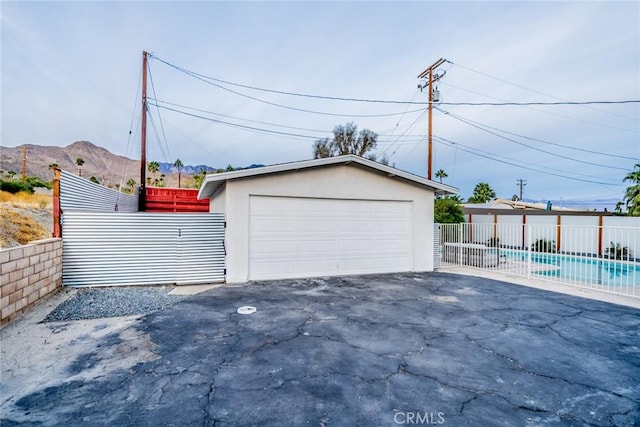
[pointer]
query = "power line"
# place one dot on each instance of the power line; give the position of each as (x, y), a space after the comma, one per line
(553, 113)
(542, 140)
(162, 104)
(511, 159)
(236, 125)
(532, 90)
(203, 79)
(164, 136)
(211, 80)
(453, 143)
(526, 145)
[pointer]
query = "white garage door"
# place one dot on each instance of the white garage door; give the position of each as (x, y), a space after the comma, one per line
(300, 237)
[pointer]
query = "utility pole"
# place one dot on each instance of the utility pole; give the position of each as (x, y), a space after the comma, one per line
(431, 78)
(521, 182)
(143, 137)
(24, 165)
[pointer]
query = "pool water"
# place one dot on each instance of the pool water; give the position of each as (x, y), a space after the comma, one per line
(586, 270)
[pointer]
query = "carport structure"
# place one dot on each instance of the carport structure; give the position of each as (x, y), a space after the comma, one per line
(324, 217)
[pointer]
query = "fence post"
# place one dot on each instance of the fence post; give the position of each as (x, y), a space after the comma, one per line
(56, 203)
(460, 244)
(529, 253)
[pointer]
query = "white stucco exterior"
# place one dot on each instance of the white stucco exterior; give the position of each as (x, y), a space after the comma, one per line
(337, 181)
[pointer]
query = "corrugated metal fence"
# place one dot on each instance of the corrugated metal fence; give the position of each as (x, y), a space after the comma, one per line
(110, 249)
(107, 242)
(82, 194)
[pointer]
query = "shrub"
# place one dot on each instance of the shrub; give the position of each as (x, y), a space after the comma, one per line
(14, 187)
(617, 251)
(447, 211)
(493, 242)
(34, 181)
(543, 245)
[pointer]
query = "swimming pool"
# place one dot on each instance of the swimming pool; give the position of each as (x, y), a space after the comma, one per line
(578, 269)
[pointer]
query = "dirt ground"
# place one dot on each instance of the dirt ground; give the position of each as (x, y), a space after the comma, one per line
(24, 220)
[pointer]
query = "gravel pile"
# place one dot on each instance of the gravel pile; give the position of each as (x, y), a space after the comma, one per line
(95, 303)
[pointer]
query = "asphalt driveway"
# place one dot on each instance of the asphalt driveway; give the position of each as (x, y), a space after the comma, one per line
(403, 349)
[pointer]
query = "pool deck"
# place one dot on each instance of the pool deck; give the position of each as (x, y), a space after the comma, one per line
(575, 290)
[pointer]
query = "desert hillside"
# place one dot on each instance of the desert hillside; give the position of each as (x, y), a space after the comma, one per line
(25, 218)
(107, 167)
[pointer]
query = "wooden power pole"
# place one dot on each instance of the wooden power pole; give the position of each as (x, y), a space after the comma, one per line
(24, 165)
(143, 137)
(429, 76)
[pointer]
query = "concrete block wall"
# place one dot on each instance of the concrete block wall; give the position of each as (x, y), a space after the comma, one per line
(29, 273)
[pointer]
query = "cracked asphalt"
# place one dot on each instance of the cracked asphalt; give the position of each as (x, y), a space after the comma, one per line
(384, 350)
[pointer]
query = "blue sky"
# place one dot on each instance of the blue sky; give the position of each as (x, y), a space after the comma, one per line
(71, 71)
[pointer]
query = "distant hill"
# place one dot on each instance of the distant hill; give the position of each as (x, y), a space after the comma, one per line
(107, 167)
(98, 161)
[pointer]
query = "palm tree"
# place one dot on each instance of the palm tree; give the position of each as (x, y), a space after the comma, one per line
(132, 183)
(178, 164)
(632, 194)
(482, 193)
(154, 167)
(79, 162)
(440, 173)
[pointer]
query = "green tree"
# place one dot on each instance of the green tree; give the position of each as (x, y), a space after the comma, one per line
(346, 140)
(153, 167)
(132, 184)
(178, 165)
(632, 194)
(447, 210)
(440, 173)
(79, 162)
(11, 174)
(199, 178)
(94, 180)
(482, 193)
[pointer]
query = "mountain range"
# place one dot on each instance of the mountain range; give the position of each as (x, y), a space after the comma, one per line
(99, 162)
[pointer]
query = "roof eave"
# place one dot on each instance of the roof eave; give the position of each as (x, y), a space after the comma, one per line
(213, 181)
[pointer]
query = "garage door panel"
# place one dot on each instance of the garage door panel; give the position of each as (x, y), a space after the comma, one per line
(322, 224)
(271, 225)
(268, 247)
(319, 246)
(328, 237)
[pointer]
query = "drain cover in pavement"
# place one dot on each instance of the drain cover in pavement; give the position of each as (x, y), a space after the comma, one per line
(246, 309)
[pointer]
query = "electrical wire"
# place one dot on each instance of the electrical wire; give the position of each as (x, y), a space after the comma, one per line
(237, 125)
(526, 145)
(508, 158)
(552, 113)
(440, 140)
(164, 136)
(540, 140)
(401, 135)
(211, 80)
(534, 90)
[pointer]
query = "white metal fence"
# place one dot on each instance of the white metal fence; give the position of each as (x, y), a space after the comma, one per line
(605, 258)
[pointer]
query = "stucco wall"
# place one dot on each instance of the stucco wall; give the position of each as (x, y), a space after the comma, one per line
(332, 182)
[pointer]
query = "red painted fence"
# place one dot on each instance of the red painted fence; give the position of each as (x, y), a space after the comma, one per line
(174, 200)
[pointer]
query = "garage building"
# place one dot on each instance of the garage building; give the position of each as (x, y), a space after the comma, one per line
(324, 217)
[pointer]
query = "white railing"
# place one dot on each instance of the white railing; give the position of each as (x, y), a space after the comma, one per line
(604, 258)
